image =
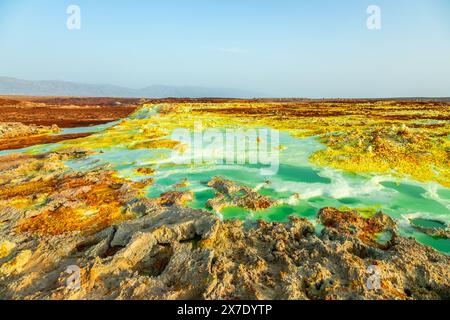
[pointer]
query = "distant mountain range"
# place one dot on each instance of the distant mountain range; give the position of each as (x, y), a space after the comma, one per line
(13, 86)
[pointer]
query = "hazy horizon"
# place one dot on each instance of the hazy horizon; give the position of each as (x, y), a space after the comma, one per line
(320, 49)
(250, 94)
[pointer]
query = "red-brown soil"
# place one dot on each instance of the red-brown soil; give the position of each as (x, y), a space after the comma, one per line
(24, 142)
(65, 112)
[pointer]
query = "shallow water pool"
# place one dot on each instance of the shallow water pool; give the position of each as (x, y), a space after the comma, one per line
(317, 187)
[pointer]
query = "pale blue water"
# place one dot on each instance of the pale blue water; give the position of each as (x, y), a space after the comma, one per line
(93, 129)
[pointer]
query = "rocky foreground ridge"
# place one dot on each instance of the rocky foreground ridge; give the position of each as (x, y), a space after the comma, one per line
(127, 246)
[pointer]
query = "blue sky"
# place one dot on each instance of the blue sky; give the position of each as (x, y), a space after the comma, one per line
(318, 48)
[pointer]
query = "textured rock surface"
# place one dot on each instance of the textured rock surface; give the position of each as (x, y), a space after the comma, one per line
(16, 129)
(126, 246)
(435, 232)
(179, 253)
(230, 194)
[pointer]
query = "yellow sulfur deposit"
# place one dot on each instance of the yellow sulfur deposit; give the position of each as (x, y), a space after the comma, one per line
(17, 264)
(5, 248)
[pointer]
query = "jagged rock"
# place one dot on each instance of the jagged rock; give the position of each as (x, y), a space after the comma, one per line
(434, 232)
(146, 171)
(180, 253)
(230, 194)
(179, 198)
(351, 223)
(129, 247)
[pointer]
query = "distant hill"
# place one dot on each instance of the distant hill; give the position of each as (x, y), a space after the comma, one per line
(13, 86)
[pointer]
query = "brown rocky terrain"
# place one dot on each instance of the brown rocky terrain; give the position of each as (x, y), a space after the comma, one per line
(230, 194)
(64, 112)
(28, 121)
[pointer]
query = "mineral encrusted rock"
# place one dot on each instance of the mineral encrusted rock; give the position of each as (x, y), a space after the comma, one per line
(435, 232)
(17, 129)
(178, 253)
(180, 198)
(127, 246)
(230, 194)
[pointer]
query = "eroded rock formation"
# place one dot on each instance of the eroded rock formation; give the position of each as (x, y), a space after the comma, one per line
(17, 129)
(126, 246)
(230, 194)
(179, 253)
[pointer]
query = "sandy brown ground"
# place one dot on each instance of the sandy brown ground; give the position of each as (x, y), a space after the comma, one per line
(65, 112)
